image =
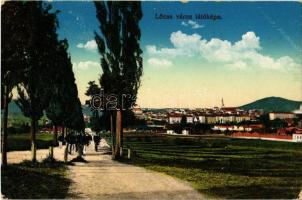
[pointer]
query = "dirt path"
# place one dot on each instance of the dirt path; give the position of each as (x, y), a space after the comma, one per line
(19, 156)
(103, 178)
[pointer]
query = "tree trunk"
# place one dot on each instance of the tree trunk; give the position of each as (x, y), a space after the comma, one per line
(33, 138)
(112, 136)
(51, 153)
(63, 131)
(80, 150)
(55, 135)
(66, 153)
(122, 133)
(4, 143)
(118, 134)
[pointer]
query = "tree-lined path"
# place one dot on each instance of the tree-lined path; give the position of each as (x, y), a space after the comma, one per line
(103, 178)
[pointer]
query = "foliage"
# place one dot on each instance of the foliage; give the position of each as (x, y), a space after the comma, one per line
(34, 92)
(14, 36)
(92, 89)
(119, 47)
(21, 142)
(95, 122)
(75, 121)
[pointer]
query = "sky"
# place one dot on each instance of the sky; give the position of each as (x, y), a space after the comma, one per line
(253, 51)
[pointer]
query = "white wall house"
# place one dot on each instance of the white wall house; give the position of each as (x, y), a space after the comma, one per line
(220, 128)
(202, 119)
(241, 118)
(238, 128)
(297, 137)
(190, 119)
(281, 115)
(185, 132)
(174, 119)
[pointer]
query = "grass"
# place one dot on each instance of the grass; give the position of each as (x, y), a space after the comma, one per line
(20, 142)
(35, 181)
(225, 168)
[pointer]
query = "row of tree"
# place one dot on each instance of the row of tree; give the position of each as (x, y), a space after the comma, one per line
(121, 61)
(37, 63)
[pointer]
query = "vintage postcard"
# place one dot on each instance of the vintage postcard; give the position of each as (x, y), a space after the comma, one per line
(151, 100)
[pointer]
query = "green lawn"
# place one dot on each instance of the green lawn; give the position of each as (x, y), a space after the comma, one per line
(35, 181)
(19, 142)
(225, 168)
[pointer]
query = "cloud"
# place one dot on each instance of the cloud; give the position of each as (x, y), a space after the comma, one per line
(160, 63)
(84, 65)
(242, 54)
(184, 45)
(89, 45)
(239, 65)
(192, 24)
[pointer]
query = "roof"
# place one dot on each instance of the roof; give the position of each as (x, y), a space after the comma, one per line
(229, 108)
(175, 115)
(281, 113)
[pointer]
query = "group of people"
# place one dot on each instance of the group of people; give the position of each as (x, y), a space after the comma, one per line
(74, 140)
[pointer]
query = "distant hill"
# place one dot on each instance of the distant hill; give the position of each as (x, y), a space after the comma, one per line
(273, 104)
(13, 109)
(86, 110)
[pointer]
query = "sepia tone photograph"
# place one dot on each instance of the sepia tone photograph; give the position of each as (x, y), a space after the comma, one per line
(163, 100)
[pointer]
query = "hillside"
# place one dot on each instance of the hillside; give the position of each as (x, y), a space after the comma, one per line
(13, 108)
(270, 104)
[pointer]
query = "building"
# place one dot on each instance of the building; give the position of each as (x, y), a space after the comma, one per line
(211, 119)
(86, 118)
(229, 110)
(281, 115)
(297, 137)
(138, 112)
(189, 119)
(174, 118)
(185, 132)
(243, 128)
(170, 132)
(242, 118)
(201, 119)
(298, 113)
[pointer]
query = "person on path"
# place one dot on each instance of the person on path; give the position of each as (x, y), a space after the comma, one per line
(61, 140)
(96, 139)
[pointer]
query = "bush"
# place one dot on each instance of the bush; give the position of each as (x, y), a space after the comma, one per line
(23, 128)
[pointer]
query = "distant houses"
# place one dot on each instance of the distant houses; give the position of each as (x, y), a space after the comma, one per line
(215, 116)
(174, 118)
(281, 115)
(246, 128)
(227, 120)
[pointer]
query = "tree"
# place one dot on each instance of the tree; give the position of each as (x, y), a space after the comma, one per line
(72, 111)
(15, 38)
(183, 121)
(121, 59)
(95, 122)
(35, 88)
(56, 110)
(94, 89)
(76, 123)
(264, 119)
